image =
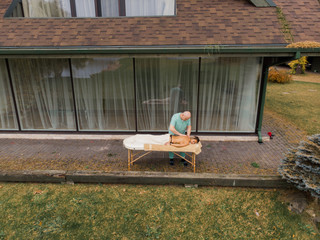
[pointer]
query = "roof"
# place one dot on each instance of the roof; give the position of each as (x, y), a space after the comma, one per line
(197, 22)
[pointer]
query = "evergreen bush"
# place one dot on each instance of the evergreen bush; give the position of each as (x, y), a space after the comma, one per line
(301, 166)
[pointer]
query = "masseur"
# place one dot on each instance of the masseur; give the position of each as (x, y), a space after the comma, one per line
(180, 123)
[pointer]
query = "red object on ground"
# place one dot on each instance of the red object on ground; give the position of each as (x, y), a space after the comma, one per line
(270, 135)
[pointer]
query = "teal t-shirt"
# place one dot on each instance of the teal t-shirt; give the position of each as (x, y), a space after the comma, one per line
(179, 124)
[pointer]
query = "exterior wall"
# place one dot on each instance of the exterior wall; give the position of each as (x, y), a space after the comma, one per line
(131, 94)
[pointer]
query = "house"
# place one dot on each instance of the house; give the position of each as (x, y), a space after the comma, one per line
(127, 65)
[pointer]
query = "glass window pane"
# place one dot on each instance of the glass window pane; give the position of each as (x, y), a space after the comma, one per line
(17, 11)
(46, 8)
(229, 93)
(165, 86)
(150, 7)
(104, 90)
(7, 112)
(85, 8)
(44, 93)
(110, 8)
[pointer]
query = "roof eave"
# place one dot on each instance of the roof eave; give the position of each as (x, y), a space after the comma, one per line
(265, 50)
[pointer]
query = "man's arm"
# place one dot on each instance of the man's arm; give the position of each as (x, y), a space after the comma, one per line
(189, 130)
(173, 129)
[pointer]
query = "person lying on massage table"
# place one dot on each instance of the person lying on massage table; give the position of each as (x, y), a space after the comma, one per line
(182, 141)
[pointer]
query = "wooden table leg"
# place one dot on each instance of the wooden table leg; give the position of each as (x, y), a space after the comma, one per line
(194, 162)
(129, 159)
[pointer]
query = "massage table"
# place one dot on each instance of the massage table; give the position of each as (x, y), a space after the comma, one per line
(141, 145)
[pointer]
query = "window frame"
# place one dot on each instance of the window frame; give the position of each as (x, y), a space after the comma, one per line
(98, 10)
(197, 80)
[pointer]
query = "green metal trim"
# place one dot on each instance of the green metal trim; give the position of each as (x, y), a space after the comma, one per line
(271, 3)
(263, 98)
(208, 50)
(263, 89)
(263, 3)
(267, 63)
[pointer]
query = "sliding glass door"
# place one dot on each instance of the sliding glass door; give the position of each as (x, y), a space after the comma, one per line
(43, 93)
(165, 86)
(104, 94)
(229, 92)
(8, 118)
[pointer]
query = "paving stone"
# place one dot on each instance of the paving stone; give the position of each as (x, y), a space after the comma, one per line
(110, 155)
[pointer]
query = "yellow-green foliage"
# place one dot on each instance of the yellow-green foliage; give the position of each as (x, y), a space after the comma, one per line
(305, 44)
(279, 76)
(299, 62)
(285, 26)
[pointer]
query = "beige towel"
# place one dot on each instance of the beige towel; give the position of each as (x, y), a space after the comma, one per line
(193, 148)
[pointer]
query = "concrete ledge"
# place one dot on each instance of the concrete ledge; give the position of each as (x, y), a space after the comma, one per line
(160, 178)
(48, 176)
(154, 178)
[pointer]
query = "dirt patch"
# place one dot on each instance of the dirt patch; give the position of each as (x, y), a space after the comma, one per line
(307, 77)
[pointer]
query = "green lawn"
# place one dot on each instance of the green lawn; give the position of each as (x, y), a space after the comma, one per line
(48, 211)
(298, 102)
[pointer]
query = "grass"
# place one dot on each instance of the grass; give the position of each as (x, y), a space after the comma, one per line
(48, 211)
(255, 165)
(297, 102)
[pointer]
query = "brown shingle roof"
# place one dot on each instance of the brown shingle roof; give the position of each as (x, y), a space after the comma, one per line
(303, 17)
(198, 22)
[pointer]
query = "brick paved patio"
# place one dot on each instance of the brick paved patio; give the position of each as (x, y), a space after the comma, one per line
(110, 155)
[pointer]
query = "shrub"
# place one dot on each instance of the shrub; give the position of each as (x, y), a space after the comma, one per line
(298, 66)
(301, 166)
(279, 76)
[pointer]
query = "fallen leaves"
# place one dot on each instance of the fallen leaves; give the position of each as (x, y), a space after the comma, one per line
(36, 192)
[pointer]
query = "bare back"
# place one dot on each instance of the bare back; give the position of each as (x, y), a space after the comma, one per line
(179, 141)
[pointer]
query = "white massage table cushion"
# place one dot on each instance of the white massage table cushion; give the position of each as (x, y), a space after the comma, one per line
(138, 141)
